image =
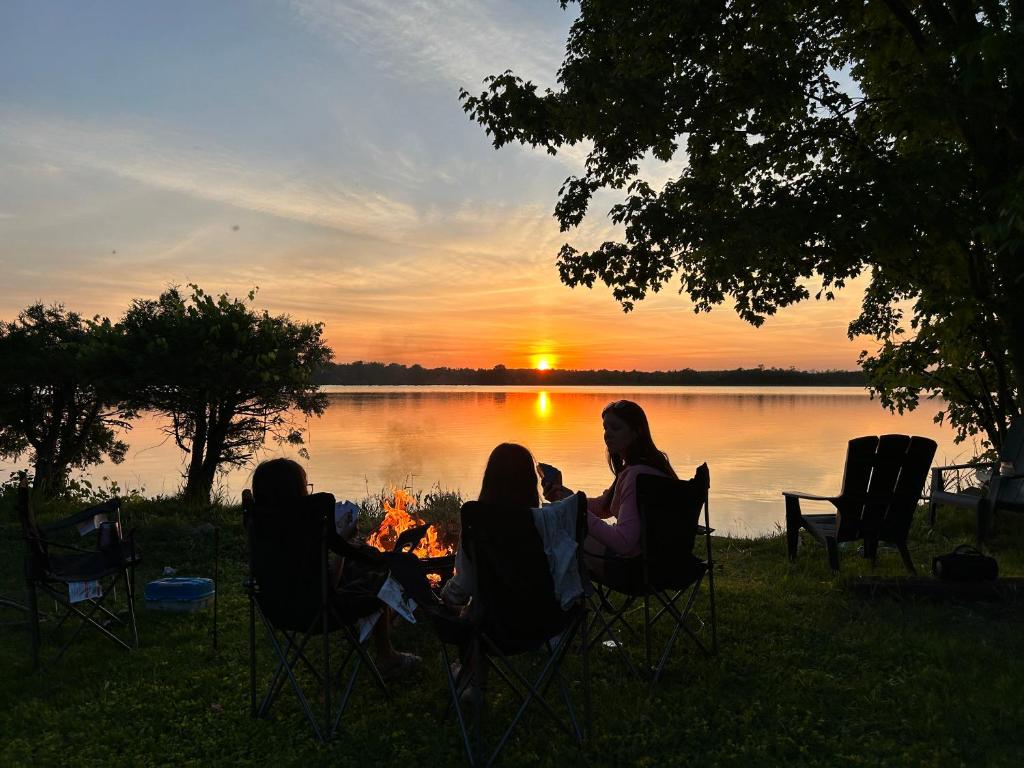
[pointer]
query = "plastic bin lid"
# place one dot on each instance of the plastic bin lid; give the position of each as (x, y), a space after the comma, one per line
(185, 588)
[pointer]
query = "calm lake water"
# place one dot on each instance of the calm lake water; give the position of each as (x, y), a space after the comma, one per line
(756, 441)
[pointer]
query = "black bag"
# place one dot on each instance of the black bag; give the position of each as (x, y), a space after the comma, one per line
(965, 563)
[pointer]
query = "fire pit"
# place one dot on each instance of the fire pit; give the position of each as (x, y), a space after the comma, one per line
(436, 550)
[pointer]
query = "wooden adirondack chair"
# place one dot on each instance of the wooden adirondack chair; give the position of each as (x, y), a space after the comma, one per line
(882, 484)
(1005, 489)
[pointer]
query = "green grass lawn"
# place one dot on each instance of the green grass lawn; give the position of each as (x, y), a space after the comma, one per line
(807, 674)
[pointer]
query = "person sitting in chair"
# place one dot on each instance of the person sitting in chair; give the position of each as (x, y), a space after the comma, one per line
(278, 483)
(510, 479)
(631, 452)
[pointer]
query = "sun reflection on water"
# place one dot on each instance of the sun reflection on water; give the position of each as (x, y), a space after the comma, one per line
(543, 405)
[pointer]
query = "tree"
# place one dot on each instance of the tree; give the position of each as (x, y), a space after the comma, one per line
(225, 374)
(816, 140)
(59, 394)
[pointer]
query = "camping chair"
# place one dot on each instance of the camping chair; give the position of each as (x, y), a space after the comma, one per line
(515, 611)
(1005, 489)
(79, 580)
(291, 595)
(665, 574)
(882, 484)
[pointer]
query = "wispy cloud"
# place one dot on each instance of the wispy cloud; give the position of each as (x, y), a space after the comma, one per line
(172, 161)
(458, 41)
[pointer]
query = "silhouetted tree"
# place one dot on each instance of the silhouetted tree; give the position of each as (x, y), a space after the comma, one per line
(813, 140)
(59, 393)
(227, 376)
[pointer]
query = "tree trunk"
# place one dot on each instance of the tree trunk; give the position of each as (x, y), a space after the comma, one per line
(197, 489)
(1011, 265)
(215, 438)
(47, 480)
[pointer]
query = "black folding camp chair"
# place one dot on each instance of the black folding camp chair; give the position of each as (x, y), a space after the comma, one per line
(291, 595)
(665, 574)
(514, 614)
(81, 582)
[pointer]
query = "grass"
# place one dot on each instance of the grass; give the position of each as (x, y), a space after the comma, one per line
(807, 674)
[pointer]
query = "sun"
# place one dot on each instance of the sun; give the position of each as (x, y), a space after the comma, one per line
(543, 361)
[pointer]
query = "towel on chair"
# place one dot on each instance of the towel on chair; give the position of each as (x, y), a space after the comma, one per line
(556, 524)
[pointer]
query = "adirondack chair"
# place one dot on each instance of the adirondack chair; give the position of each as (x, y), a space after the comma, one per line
(1005, 489)
(882, 483)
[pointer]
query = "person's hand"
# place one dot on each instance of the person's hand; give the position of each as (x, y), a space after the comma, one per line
(556, 492)
(549, 476)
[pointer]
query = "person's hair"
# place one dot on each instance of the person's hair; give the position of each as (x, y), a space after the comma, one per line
(642, 450)
(278, 482)
(510, 478)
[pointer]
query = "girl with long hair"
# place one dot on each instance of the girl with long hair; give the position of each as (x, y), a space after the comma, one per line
(510, 479)
(631, 452)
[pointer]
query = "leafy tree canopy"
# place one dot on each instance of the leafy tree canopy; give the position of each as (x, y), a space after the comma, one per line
(815, 141)
(226, 374)
(59, 393)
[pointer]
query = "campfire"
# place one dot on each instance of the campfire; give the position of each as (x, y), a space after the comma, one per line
(399, 516)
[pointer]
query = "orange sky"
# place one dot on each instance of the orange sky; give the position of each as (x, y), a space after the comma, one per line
(368, 202)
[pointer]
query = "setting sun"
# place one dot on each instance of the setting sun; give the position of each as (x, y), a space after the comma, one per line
(543, 362)
(543, 365)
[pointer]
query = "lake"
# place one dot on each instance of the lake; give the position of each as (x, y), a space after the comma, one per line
(756, 441)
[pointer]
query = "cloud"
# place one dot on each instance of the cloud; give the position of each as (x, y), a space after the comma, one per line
(458, 41)
(172, 161)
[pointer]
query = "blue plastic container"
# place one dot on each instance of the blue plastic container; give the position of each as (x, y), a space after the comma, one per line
(180, 594)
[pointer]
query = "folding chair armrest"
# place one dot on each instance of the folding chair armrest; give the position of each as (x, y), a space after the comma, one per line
(612, 557)
(977, 465)
(808, 496)
(702, 531)
(111, 507)
(360, 552)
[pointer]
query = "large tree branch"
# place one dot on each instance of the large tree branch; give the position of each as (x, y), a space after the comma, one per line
(909, 23)
(941, 20)
(72, 446)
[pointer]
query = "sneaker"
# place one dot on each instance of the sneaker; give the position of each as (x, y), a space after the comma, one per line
(404, 665)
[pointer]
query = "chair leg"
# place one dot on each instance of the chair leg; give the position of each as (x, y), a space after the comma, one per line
(714, 618)
(647, 635)
(792, 526)
(905, 554)
(129, 576)
(607, 630)
(984, 520)
(33, 622)
(586, 676)
(833, 553)
(289, 675)
(535, 691)
(454, 689)
(252, 656)
(326, 690)
(871, 550)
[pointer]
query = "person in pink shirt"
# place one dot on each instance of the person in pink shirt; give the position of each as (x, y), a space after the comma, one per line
(631, 452)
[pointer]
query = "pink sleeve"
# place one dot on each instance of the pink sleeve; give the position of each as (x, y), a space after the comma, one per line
(623, 538)
(602, 505)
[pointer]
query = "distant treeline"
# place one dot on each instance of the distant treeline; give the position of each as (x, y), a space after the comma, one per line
(393, 373)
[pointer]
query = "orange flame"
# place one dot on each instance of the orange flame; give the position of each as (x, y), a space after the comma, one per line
(398, 517)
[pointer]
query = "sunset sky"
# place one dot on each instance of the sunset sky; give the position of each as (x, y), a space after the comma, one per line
(317, 149)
